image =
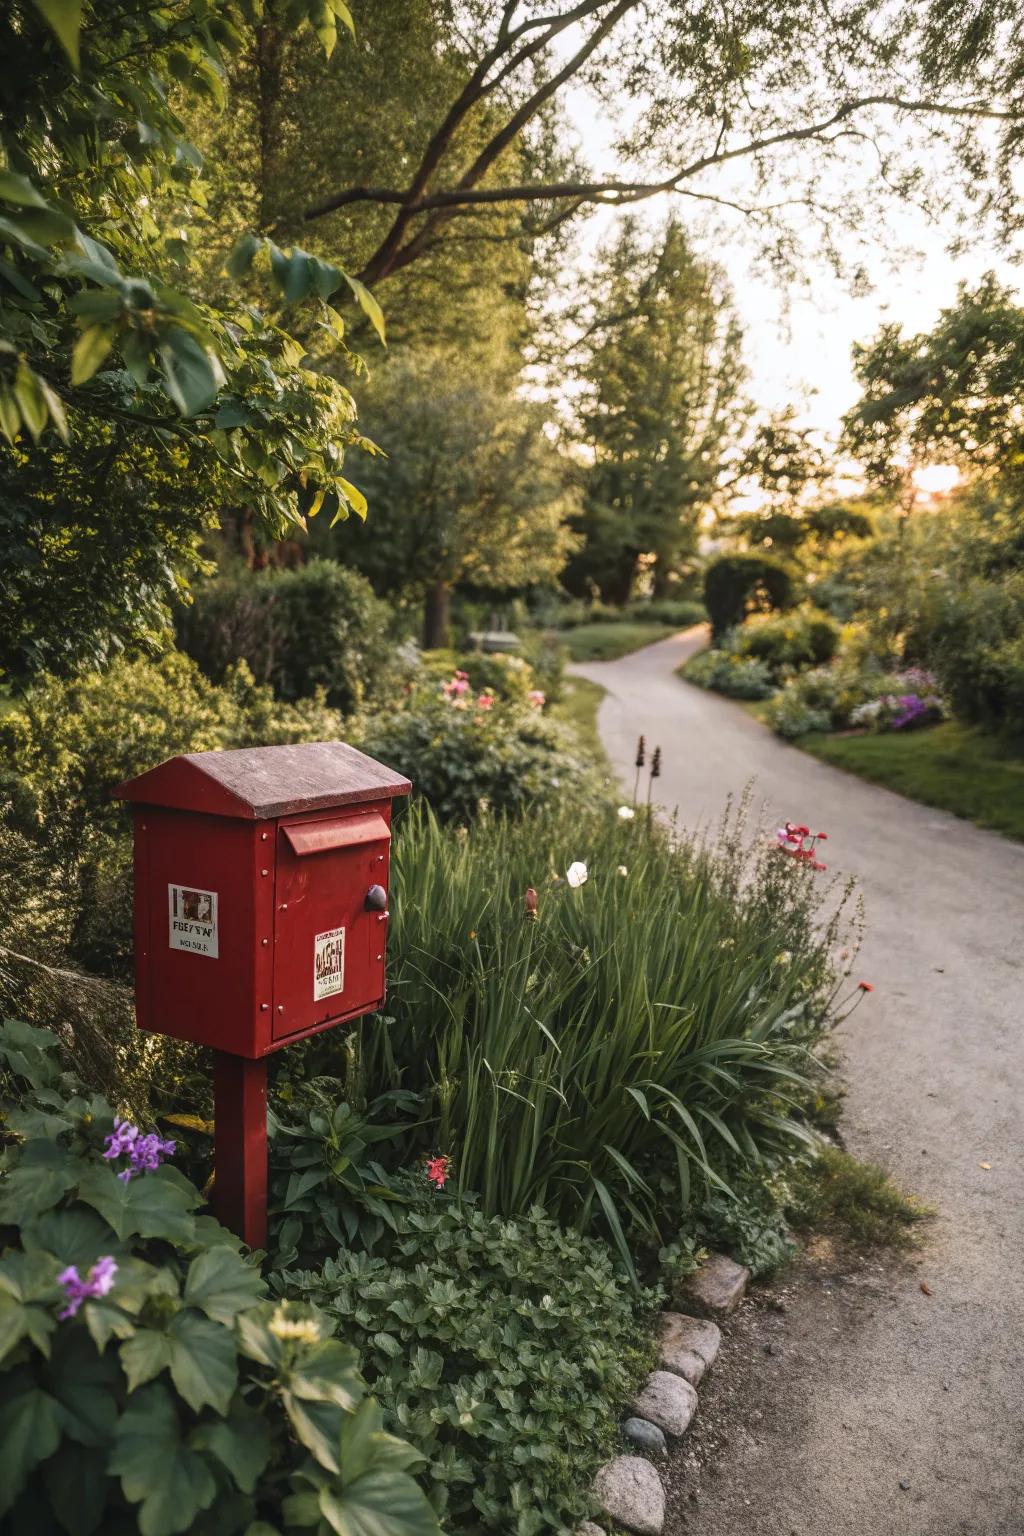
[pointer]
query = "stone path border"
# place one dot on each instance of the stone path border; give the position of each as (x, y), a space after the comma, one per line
(629, 1488)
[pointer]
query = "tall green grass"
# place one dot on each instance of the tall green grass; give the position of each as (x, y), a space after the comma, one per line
(614, 1058)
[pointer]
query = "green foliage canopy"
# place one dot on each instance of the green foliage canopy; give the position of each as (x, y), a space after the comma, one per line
(105, 341)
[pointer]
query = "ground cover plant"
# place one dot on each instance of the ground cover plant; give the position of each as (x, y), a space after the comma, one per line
(501, 1350)
(148, 1382)
(956, 767)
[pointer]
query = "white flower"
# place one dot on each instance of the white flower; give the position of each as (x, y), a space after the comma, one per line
(783, 958)
(576, 875)
(626, 813)
(623, 871)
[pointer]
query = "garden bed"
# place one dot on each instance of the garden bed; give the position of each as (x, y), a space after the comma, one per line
(954, 767)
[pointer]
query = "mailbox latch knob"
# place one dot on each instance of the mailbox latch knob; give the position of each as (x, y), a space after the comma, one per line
(376, 899)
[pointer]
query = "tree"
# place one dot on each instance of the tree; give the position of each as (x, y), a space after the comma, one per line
(104, 342)
(98, 536)
(954, 394)
(471, 491)
(299, 119)
(658, 411)
(788, 95)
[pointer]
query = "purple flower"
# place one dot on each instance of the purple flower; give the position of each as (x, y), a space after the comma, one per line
(144, 1153)
(98, 1282)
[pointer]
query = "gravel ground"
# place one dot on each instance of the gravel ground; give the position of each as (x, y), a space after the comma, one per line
(819, 1413)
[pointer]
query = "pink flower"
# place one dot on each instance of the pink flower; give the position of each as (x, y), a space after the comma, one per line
(536, 698)
(437, 1170)
(800, 843)
(98, 1282)
(455, 685)
(485, 701)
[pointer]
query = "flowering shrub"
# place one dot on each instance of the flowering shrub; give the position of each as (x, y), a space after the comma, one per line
(501, 1349)
(467, 752)
(147, 1384)
(898, 712)
(847, 695)
(723, 671)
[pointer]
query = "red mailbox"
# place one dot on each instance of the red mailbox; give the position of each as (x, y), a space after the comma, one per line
(261, 882)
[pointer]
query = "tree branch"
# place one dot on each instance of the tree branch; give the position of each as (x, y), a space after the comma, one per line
(392, 254)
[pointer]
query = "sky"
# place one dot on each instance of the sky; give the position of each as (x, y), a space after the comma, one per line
(798, 340)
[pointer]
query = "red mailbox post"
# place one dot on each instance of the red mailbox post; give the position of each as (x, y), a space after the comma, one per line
(261, 881)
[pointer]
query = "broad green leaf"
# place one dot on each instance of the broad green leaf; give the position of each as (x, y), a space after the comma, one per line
(241, 1443)
(91, 348)
(379, 1504)
(192, 375)
(368, 304)
(55, 405)
(156, 1204)
(318, 1426)
(10, 416)
(326, 28)
(19, 1320)
(76, 1486)
(42, 1176)
(354, 496)
(28, 392)
(244, 252)
(84, 1384)
(221, 1283)
(158, 1471)
(144, 1356)
(75, 1235)
(343, 14)
(64, 17)
(256, 1340)
(20, 191)
(204, 1361)
(357, 1434)
(29, 1433)
(328, 1372)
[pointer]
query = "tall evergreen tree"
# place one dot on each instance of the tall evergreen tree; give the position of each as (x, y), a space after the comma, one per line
(659, 408)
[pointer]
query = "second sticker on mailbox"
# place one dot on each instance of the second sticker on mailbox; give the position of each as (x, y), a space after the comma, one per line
(328, 964)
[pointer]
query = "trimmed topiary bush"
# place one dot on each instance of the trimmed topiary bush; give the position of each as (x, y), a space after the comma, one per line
(732, 581)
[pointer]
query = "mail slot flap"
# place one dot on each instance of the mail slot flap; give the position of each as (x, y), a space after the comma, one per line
(346, 832)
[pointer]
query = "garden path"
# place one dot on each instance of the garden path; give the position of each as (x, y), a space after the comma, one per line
(891, 1410)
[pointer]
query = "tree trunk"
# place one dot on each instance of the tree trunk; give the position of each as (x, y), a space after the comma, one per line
(436, 614)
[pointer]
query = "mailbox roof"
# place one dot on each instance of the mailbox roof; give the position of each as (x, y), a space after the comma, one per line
(255, 783)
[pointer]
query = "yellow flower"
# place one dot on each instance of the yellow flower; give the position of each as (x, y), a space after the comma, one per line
(304, 1330)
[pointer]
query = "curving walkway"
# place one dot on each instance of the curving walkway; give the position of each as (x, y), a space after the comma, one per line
(904, 1388)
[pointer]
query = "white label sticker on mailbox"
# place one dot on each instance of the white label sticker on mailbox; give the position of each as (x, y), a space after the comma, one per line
(328, 964)
(192, 920)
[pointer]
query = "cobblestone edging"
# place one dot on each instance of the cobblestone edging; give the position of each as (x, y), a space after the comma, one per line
(629, 1488)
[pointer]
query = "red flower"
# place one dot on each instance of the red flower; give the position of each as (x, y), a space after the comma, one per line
(865, 986)
(437, 1170)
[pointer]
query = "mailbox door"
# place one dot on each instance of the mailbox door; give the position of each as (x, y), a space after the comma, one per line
(328, 948)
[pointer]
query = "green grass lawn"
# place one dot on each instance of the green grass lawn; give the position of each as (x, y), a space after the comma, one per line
(578, 707)
(955, 767)
(606, 642)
